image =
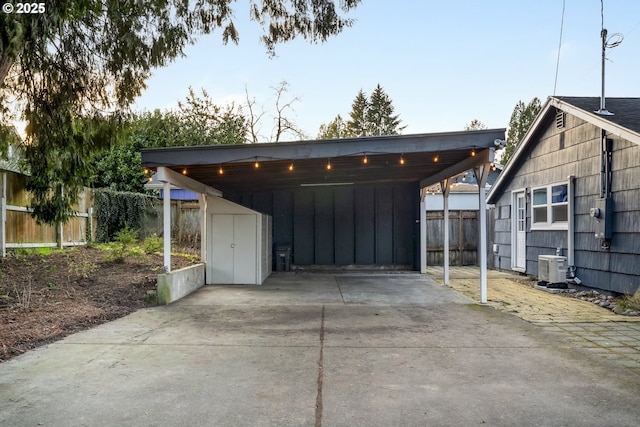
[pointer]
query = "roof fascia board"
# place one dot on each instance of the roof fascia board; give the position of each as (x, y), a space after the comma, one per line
(592, 118)
(483, 157)
(396, 144)
(180, 181)
(598, 121)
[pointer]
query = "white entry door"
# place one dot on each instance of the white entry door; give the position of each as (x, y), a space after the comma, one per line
(233, 249)
(520, 224)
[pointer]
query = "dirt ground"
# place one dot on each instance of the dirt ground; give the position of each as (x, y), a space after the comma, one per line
(45, 297)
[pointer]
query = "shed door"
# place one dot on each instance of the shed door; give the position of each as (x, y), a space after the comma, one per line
(245, 257)
(520, 218)
(233, 252)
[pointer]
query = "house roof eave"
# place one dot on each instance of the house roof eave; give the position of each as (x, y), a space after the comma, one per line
(556, 103)
(521, 148)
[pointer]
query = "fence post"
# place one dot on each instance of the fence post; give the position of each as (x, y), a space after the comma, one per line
(89, 236)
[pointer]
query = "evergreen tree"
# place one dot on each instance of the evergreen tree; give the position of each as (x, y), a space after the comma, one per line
(380, 117)
(521, 120)
(357, 124)
(372, 116)
(337, 128)
(475, 125)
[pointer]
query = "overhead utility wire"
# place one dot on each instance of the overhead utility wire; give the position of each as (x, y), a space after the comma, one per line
(555, 83)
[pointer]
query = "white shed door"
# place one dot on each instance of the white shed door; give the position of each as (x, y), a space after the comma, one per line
(233, 251)
(245, 259)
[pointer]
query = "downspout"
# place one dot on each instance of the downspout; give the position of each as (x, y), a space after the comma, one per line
(571, 224)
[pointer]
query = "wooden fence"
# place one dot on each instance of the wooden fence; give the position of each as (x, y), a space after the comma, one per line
(185, 222)
(463, 238)
(20, 230)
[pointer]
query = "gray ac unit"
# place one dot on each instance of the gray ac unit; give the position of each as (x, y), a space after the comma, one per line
(552, 268)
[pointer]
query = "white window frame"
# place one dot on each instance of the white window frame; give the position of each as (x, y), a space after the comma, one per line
(549, 224)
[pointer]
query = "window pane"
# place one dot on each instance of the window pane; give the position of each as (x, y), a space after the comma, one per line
(560, 213)
(540, 196)
(540, 214)
(559, 193)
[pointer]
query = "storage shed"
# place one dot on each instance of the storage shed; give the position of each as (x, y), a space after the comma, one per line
(239, 244)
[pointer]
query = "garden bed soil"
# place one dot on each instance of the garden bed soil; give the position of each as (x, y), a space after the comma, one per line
(44, 298)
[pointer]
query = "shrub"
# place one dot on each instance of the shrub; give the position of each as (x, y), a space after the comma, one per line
(153, 244)
(125, 238)
(116, 210)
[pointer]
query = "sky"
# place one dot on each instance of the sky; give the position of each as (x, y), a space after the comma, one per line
(442, 63)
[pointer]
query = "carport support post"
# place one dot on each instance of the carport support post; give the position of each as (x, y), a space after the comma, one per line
(482, 173)
(423, 231)
(444, 186)
(202, 199)
(167, 225)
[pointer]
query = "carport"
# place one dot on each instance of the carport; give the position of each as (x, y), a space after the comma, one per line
(341, 202)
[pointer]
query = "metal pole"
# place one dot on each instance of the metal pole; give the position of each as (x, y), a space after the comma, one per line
(445, 194)
(423, 231)
(603, 33)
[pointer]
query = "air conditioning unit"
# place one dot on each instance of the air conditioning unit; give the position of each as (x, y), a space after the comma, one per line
(552, 269)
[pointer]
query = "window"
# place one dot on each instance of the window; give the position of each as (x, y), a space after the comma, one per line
(550, 207)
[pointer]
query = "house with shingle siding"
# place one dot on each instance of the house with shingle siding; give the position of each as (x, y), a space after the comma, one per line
(572, 188)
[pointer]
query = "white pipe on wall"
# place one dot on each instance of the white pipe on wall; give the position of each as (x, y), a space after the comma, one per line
(571, 221)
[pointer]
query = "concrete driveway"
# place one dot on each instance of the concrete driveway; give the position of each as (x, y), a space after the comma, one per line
(318, 349)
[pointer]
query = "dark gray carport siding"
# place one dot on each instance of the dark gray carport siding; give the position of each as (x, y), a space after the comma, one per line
(342, 225)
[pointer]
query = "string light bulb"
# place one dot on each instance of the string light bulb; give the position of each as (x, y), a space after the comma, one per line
(256, 165)
(493, 167)
(473, 152)
(220, 170)
(435, 159)
(365, 160)
(401, 160)
(184, 171)
(291, 167)
(329, 164)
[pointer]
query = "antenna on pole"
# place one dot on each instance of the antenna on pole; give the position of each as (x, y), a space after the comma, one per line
(610, 42)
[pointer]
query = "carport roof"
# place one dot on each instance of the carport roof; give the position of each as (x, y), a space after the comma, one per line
(293, 165)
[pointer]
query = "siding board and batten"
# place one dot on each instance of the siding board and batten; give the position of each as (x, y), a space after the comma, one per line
(342, 225)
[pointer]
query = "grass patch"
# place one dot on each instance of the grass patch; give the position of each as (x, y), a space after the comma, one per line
(630, 302)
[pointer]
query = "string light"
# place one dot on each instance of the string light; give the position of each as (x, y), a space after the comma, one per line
(184, 171)
(220, 170)
(365, 160)
(291, 166)
(473, 152)
(401, 160)
(256, 164)
(435, 159)
(329, 164)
